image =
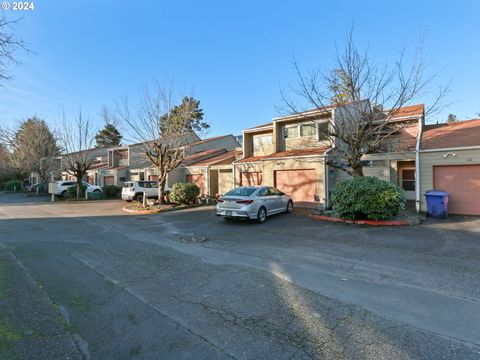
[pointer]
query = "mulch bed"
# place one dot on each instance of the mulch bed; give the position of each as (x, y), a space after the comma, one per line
(406, 217)
(155, 209)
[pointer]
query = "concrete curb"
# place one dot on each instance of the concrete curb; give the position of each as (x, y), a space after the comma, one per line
(361, 222)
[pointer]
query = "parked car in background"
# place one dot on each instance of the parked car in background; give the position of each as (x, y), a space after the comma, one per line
(61, 187)
(253, 202)
(133, 190)
(42, 187)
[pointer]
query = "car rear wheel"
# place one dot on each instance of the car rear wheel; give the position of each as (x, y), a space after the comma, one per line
(261, 215)
(290, 206)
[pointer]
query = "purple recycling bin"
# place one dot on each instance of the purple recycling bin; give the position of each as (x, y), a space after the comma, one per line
(437, 203)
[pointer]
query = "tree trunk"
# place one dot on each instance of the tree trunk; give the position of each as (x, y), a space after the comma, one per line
(161, 191)
(79, 186)
(357, 170)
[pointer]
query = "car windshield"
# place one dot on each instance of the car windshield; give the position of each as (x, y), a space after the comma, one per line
(241, 191)
(127, 185)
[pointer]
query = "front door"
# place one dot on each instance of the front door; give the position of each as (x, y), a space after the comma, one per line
(407, 182)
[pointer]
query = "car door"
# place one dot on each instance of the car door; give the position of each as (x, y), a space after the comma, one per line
(267, 200)
(278, 199)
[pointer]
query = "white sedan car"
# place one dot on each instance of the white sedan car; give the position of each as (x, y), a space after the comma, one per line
(253, 202)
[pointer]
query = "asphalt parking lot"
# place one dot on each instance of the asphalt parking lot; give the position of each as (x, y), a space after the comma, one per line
(186, 284)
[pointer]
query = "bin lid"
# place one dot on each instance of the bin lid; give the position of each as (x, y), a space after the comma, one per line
(436, 193)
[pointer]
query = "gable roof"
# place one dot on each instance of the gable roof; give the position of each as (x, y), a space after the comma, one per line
(216, 159)
(452, 135)
(209, 139)
(408, 111)
(199, 156)
(310, 151)
(267, 125)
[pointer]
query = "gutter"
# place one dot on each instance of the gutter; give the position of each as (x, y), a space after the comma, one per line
(451, 149)
(417, 166)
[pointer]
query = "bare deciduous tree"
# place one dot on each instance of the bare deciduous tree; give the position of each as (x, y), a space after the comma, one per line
(77, 138)
(9, 45)
(359, 90)
(163, 127)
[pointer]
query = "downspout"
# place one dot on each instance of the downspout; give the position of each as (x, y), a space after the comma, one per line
(417, 165)
(234, 174)
(326, 194)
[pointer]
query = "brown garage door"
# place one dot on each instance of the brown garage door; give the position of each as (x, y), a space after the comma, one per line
(108, 180)
(251, 178)
(463, 184)
(199, 180)
(301, 185)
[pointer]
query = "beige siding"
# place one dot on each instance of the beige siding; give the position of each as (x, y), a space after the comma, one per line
(262, 144)
(298, 142)
(269, 167)
(429, 159)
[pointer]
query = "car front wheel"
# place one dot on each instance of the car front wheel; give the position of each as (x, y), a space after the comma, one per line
(64, 194)
(96, 190)
(290, 206)
(261, 215)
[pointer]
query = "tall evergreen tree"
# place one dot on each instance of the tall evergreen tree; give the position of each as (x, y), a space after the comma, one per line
(31, 145)
(186, 117)
(108, 136)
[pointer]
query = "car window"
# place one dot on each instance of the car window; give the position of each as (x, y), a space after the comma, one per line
(68, 183)
(241, 191)
(274, 191)
(127, 185)
(264, 192)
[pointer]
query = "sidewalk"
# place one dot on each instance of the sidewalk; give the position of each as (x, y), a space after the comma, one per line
(30, 325)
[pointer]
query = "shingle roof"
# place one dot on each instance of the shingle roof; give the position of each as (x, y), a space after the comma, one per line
(215, 159)
(98, 166)
(452, 135)
(208, 139)
(199, 156)
(251, 159)
(407, 111)
(287, 154)
(298, 152)
(261, 126)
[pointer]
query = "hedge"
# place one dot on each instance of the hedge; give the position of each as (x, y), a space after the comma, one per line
(367, 197)
(184, 193)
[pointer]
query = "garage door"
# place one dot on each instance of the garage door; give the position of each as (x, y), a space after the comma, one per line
(225, 180)
(199, 180)
(301, 185)
(251, 178)
(153, 177)
(463, 184)
(108, 180)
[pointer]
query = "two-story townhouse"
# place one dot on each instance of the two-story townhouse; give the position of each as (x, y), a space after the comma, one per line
(291, 153)
(208, 163)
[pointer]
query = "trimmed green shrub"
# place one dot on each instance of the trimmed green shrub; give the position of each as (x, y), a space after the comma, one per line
(184, 193)
(111, 191)
(13, 185)
(72, 191)
(367, 197)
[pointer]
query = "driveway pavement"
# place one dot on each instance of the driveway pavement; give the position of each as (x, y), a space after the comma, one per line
(190, 285)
